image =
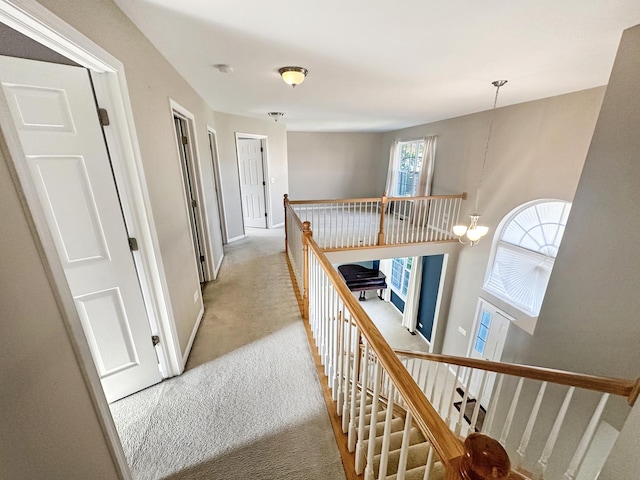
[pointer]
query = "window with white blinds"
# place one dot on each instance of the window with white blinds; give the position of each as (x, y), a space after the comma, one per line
(524, 255)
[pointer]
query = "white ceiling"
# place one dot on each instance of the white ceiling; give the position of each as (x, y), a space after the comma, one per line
(380, 65)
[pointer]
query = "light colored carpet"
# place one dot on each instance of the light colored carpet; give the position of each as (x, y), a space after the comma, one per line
(249, 405)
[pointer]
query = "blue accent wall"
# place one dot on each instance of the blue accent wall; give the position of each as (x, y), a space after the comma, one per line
(431, 271)
(397, 301)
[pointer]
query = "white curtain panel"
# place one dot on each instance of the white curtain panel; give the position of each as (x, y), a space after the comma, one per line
(410, 316)
(425, 180)
(392, 173)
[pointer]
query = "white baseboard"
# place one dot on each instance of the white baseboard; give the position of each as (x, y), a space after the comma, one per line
(217, 269)
(185, 355)
(239, 237)
(278, 225)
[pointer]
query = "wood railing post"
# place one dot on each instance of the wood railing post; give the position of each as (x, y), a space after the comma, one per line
(306, 234)
(286, 239)
(383, 207)
(484, 459)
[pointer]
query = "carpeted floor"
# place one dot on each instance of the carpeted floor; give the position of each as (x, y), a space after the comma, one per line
(249, 405)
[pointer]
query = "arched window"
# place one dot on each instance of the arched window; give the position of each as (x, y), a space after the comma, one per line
(524, 253)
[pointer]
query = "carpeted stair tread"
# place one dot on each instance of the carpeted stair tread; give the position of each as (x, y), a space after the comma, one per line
(416, 457)
(397, 424)
(381, 415)
(437, 473)
(395, 440)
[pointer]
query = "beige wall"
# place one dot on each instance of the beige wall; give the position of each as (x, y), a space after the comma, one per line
(588, 320)
(537, 151)
(152, 82)
(276, 159)
(336, 165)
(38, 362)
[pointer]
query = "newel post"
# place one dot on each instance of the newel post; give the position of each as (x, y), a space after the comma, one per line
(383, 207)
(484, 459)
(286, 239)
(306, 234)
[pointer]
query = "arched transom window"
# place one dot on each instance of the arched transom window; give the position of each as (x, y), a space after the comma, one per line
(524, 254)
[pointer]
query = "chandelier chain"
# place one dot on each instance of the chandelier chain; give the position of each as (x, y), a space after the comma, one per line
(497, 84)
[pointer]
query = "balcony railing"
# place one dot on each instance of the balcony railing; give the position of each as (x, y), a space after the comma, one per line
(367, 378)
(371, 222)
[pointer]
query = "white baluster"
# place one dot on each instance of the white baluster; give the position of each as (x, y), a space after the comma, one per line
(578, 457)
(386, 439)
(463, 405)
(476, 410)
(491, 408)
(339, 356)
(541, 466)
(432, 397)
(512, 411)
(351, 439)
(452, 395)
(430, 462)
(526, 436)
(347, 373)
(373, 423)
(404, 449)
(363, 405)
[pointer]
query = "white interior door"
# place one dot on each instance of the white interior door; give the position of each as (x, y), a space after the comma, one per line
(252, 182)
(54, 111)
(488, 341)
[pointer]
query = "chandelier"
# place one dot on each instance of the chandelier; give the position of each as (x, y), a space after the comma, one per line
(474, 232)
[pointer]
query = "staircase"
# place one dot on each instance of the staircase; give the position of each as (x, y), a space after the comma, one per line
(412, 460)
(403, 413)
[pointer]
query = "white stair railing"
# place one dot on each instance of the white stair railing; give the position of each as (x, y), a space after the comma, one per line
(456, 388)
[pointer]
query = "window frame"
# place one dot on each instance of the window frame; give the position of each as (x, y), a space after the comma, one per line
(498, 242)
(404, 278)
(415, 167)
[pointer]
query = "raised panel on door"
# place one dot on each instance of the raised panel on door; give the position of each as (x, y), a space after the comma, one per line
(53, 109)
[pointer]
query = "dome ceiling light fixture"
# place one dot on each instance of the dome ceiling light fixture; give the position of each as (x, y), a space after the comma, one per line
(223, 68)
(276, 115)
(473, 231)
(293, 75)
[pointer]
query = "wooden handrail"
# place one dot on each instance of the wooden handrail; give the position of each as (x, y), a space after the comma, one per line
(463, 196)
(425, 416)
(339, 200)
(615, 386)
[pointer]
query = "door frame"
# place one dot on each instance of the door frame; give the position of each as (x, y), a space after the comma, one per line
(36, 22)
(265, 174)
(215, 159)
(476, 317)
(198, 189)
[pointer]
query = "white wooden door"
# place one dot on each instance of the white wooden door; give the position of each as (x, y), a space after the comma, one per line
(54, 111)
(252, 182)
(488, 341)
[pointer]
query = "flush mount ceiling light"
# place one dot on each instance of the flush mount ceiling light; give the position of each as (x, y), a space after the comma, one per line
(223, 68)
(293, 75)
(473, 231)
(276, 115)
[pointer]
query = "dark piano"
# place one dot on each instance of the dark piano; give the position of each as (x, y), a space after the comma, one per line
(360, 279)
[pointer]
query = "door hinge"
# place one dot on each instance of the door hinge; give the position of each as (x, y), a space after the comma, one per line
(265, 214)
(194, 204)
(264, 184)
(103, 116)
(133, 244)
(201, 258)
(184, 140)
(261, 149)
(155, 339)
